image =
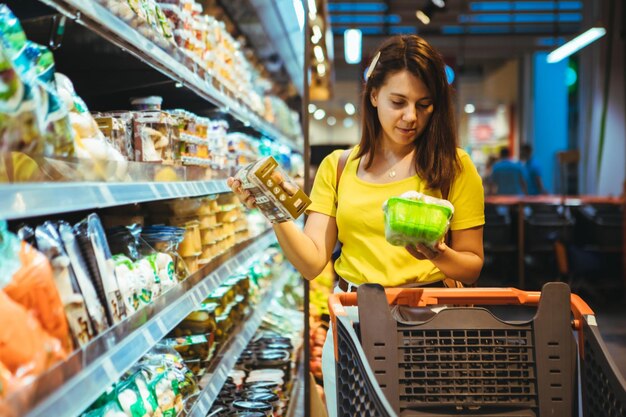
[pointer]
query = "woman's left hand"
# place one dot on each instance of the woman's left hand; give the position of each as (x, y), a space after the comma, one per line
(421, 251)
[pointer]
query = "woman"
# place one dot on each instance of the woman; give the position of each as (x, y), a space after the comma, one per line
(408, 142)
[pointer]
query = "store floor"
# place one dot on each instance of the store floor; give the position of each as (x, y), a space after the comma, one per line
(611, 317)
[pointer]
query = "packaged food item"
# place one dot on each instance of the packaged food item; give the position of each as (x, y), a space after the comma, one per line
(26, 349)
(276, 194)
(49, 242)
(94, 307)
(153, 136)
(33, 286)
(146, 103)
(101, 266)
(416, 218)
(117, 127)
(201, 321)
(190, 347)
(32, 119)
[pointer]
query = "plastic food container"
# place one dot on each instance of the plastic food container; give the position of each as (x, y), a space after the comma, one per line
(416, 219)
(147, 103)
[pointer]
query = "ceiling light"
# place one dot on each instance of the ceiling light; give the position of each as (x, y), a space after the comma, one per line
(319, 53)
(575, 44)
(331, 121)
(312, 108)
(439, 3)
(350, 109)
(312, 9)
(352, 39)
(469, 108)
(321, 69)
(319, 114)
(348, 122)
(422, 17)
(299, 8)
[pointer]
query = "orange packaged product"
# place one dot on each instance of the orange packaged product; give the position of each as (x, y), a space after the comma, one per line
(25, 347)
(33, 287)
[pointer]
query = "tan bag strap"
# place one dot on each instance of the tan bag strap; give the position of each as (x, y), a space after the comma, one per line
(343, 160)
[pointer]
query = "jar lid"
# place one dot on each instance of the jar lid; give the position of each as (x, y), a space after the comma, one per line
(279, 345)
(266, 397)
(262, 384)
(252, 406)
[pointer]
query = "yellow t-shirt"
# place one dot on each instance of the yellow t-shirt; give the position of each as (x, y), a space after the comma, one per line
(365, 255)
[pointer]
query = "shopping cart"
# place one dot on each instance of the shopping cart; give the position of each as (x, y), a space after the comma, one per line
(465, 361)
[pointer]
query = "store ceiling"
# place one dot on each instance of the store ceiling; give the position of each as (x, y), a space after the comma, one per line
(470, 34)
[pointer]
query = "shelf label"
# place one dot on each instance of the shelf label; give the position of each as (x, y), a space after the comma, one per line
(107, 196)
(154, 190)
(161, 326)
(212, 389)
(109, 369)
(148, 336)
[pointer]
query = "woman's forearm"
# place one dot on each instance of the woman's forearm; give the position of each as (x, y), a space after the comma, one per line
(300, 249)
(460, 266)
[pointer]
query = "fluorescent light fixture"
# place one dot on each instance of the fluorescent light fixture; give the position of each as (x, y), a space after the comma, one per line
(299, 8)
(319, 53)
(349, 108)
(331, 121)
(422, 17)
(312, 9)
(352, 39)
(319, 114)
(469, 108)
(321, 69)
(317, 34)
(575, 45)
(312, 108)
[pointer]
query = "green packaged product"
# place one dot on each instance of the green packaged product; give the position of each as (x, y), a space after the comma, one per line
(414, 218)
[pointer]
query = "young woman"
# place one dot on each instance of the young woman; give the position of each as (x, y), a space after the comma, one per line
(408, 142)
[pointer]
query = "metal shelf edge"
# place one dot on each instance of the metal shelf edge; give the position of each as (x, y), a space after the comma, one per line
(230, 356)
(88, 383)
(39, 199)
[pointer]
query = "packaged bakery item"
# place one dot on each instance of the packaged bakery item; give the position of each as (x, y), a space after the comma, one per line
(276, 195)
(416, 218)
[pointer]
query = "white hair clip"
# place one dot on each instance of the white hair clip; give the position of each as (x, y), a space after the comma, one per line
(370, 69)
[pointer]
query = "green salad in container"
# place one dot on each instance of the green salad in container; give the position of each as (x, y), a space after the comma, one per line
(414, 218)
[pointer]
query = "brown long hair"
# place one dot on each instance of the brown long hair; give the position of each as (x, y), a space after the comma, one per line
(436, 159)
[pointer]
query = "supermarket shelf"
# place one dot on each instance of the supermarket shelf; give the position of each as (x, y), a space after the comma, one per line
(91, 370)
(100, 20)
(216, 379)
(39, 199)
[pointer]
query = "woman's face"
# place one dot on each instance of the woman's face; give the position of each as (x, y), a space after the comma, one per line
(404, 107)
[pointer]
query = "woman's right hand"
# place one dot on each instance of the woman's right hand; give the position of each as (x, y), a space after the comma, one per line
(244, 195)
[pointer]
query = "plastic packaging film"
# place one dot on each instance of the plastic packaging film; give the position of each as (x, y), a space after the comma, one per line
(414, 218)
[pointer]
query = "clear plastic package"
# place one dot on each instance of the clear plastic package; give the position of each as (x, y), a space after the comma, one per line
(416, 218)
(277, 196)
